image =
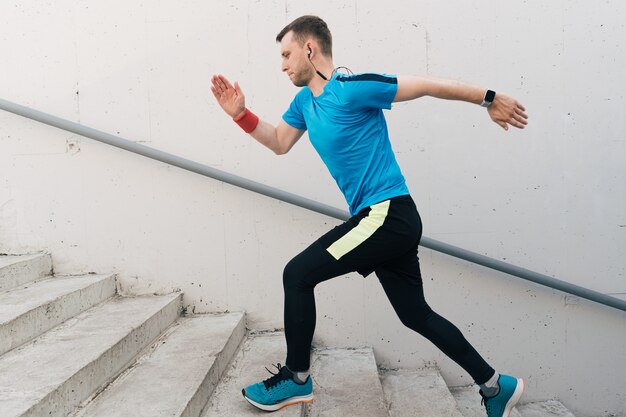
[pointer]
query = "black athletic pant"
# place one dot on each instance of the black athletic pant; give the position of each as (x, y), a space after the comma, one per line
(382, 238)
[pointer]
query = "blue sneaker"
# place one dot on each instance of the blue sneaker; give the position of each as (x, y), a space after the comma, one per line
(278, 391)
(511, 390)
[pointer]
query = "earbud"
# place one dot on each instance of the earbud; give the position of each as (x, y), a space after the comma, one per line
(318, 73)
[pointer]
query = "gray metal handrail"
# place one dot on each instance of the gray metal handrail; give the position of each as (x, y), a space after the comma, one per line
(304, 202)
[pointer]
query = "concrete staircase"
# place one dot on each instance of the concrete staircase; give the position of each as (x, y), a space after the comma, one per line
(70, 346)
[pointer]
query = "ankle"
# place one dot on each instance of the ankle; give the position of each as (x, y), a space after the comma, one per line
(491, 388)
(300, 377)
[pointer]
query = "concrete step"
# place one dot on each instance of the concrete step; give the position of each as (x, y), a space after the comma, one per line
(55, 372)
(16, 270)
(418, 393)
(248, 367)
(468, 400)
(346, 383)
(550, 408)
(34, 308)
(177, 374)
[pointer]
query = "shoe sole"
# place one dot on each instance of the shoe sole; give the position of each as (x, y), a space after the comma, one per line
(290, 401)
(517, 394)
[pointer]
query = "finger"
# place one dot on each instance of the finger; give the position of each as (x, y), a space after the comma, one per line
(517, 122)
(216, 84)
(237, 88)
(520, 119)
(215, 93)
(521, 113)
(226, 83)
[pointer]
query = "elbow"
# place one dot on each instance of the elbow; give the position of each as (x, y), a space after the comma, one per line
(280, 147)
(280, 151)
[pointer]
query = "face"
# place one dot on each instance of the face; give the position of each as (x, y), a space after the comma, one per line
(295, 61)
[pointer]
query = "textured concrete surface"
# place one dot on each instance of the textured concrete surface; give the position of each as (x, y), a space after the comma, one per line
(56, 371)
(248, 367)
(418, 393)
(31, 309)
(16, 270)
(550, 408)
(469, 402)
(346, 383)
(176, 376)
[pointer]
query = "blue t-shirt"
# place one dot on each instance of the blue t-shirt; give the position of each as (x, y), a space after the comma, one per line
(347, 128)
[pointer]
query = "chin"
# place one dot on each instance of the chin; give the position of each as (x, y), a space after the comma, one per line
(299, 83)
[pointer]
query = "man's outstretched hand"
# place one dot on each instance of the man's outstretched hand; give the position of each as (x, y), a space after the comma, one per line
(230, 98)
(507, 111)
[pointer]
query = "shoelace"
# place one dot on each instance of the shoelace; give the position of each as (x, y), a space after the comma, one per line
(275, 378)
(484, 402)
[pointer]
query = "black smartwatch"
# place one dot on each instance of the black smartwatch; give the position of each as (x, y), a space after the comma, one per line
(489, 96)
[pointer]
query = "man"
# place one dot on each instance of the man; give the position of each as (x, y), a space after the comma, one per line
(344, 118)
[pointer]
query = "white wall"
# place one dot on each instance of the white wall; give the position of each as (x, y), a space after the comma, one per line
(549, 198)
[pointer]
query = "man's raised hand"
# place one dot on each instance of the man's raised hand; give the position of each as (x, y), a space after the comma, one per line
(230, 98)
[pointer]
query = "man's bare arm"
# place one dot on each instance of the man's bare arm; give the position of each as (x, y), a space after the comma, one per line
(279, 139)
(504, 110)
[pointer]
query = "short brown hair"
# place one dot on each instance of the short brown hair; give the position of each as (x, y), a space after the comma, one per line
(307, 26)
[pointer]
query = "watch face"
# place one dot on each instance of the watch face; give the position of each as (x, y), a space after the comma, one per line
(490, 95)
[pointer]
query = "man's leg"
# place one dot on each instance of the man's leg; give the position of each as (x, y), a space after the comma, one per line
(311, 267)
(403, 285)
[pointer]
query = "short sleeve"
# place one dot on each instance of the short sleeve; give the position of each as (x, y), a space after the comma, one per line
(294, 116)
(370, 90)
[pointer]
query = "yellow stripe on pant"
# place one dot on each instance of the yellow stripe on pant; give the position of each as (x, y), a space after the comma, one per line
(363, 231)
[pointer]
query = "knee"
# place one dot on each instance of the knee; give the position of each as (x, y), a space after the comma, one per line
(416, 319)
(294, 276)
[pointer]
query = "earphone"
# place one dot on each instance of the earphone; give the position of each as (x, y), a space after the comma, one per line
(318, 73)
